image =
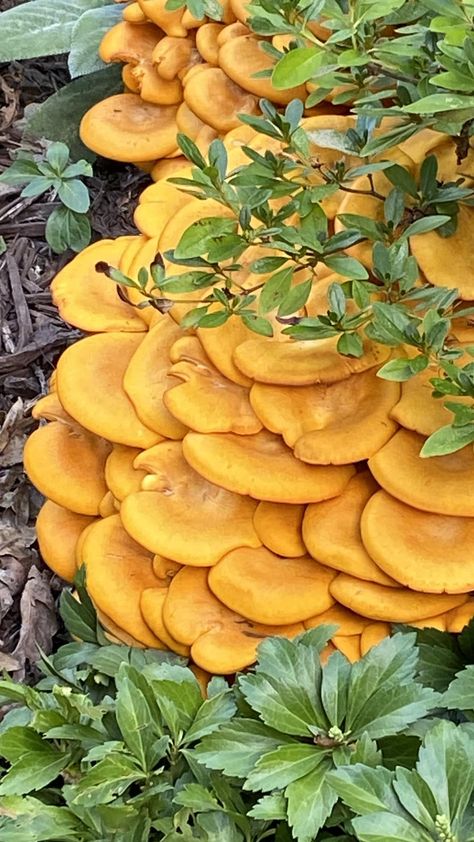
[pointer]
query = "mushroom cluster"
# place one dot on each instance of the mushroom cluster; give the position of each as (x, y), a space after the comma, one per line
(180, 75)
(221, 487)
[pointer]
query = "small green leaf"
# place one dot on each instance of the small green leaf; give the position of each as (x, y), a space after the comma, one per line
(67, 229)
(403, 369)
(257, 324)
(435, 103)
(447, 439)
(75, 195)
(200, 236)
(275, 290)
(349, 267)
(296, 67)
(57, 156)
(428, 223)
(350, 344)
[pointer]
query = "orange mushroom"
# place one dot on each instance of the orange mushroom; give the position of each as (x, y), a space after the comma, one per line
(146, 379)
(151, 605)
(90, 375)
(169, 21)
(263, 467)
(331, 531)
(216, 99)
(441, 484)
(125, 128)
(447, 261)
(50, 408)
(426, 552)
(207, 41)
(242, 58)
(88, 299)
(121, 476)
(66, 464)
(343, 422)
(204, 399)
(172, 56)
(182, 516)
(118, 570)
(348, 623)
(160, 204)
(278, 525)
(58, 530)
(269, 589)
(129, 43)
(372, 635)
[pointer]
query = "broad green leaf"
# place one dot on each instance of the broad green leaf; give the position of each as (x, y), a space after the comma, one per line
(109, 778)
(67, 229)
(196, 798)
(23, 169)
(460, 693)
(198, 238)
(214, 711)
(403, 368)
(134, 719)
(447, 440)
(270, 808)
(384, 826)
(18, 741)
(41, 27)
(57, 156)
(86, 36)
(236, 747)
(75, 195)
(296, 298)
(415, 796)
(275, 290)
(296, 67)
(257, 324)
(178, 702)
(446, 764)
(334, 685)
(347, 266)
(282, 766)
(363, 789)
(34, 771)
(59, 116)
(310, 801)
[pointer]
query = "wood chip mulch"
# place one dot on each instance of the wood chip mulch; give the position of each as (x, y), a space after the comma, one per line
(31, 338)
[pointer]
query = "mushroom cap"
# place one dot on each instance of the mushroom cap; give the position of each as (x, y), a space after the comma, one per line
(334, 424)
(58, 530)
(182, 516)
(372, 635)
(305, 362)
(263, 467)
(158, 204)
(418, 410)
(169, 21)
(121, 476)
(241, 58)
(220, 343)
(232, 30)
(207, 43)
(88, 299)
(80, 543)
(164, 568)
(460, 617)
(133, 14)
(115, 634)
(349, 646)
(239, 8)
(221, 641)
(142, 259)
(108, 505)
(441, 484)
(171, 168)
(151, 605)
(129, 43)
(90, 375)
(117, 571)
(203, 398)
(347, 621)
(188, 123)
(50, 408)
(278, 525)
(172, 55)
(131, 250)
(125, 128)
(153, 88)
(269, 589)
(217, 100)
(439, 622)
(423, 551)
(447, 261)
(66, 464)
(393, 605)
(331, 531)
(146, 379)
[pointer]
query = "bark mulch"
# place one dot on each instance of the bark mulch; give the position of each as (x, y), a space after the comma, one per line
(31, 338)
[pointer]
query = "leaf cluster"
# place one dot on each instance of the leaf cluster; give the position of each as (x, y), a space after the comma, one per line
(68, 225)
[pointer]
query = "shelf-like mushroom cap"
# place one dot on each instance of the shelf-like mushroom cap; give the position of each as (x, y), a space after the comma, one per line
(50, 408)
(232, 30)
(373, 634)
(88, 299)
(269, 589)
(188, 123)
(331, 531)
(440, 622)
(90, 375)
(221, 641)
(133, 13)
(303, 363)
(278, 525)
(425, 552)
(263, 467)
(66, 464)
(239, 8)
(170, 21)
(242, 58)
(207, 43)
(348, 623)
(441, 484)
(129, 43)
(125, 128)
(146, 379)
(172, 55)
(460, 617)
(117, 571)
(217, 100)
(151, 605)
(204, 399)
(171, 168)
(164, 568)
(349, 646)
(392, 605)
(114, 633)
(121, 476)
(334, 424)
(129, 253)
(58, 530)
(182, 516)
(108, 505)
(447, 261)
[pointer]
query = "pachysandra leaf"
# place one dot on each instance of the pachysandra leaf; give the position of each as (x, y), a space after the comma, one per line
(236, 747)
(310, 801)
